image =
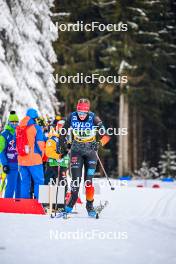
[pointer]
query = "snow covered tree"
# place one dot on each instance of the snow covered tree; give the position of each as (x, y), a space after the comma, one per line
(143, 172)
(167, 164)
(26, 55)
(146, 172)
(145, 53)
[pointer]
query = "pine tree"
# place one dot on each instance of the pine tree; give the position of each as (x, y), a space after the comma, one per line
(145, 53)
(146, 172)
(143, 172)
(26, 54)
(167, 163)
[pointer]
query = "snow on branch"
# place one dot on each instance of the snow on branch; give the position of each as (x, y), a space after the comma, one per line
(138, 11)
(101, 4)
(26, 55)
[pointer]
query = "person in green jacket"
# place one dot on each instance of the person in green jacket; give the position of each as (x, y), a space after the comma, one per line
(9, 156)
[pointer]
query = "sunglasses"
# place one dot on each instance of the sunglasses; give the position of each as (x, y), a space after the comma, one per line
(13, 122)
(82, 113)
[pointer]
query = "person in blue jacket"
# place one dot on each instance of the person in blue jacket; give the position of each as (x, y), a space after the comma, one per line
(9, 156)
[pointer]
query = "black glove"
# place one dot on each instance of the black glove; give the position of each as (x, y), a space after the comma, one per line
(95, 145)
(6, 169)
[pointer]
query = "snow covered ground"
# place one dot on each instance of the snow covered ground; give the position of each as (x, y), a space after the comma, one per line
(137, 227)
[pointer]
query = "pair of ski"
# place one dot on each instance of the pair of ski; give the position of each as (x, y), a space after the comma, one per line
(98, 210)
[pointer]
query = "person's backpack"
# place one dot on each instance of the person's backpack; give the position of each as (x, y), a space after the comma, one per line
(22, 144)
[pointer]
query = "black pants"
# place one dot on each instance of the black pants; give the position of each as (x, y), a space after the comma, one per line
(63, 178)
(51, 173)
(81, 154)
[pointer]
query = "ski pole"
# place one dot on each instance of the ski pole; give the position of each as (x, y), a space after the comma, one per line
(2, 181)
(2, 187)
(57, 184)
(50, 199)
(112, 188)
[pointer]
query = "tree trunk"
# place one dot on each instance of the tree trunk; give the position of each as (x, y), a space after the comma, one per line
(129, 147)
(123, 147)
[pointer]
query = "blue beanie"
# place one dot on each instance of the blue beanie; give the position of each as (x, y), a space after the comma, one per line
(32, 113)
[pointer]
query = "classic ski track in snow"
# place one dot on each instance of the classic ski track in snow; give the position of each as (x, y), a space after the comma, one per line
(146, 215)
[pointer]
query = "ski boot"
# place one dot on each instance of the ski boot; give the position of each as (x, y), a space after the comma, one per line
(90, 209)
(68, 209)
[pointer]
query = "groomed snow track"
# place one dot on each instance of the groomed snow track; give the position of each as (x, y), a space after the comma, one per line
(142, 222)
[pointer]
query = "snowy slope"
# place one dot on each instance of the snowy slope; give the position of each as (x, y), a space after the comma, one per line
(143, 220)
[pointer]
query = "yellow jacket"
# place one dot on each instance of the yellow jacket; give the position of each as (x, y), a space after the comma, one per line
(51, 146)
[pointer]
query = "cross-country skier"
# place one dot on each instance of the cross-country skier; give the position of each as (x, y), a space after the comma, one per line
(84, 126)
(9, 156)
